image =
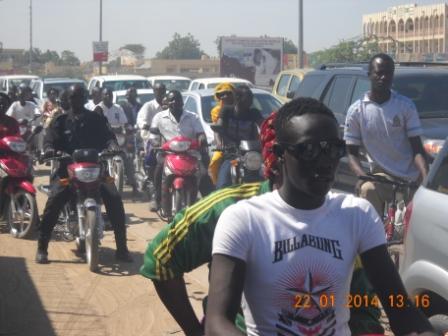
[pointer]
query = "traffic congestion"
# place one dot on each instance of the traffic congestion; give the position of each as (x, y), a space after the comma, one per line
(268, 200)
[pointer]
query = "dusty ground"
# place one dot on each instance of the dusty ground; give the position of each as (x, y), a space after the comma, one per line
(64, 299)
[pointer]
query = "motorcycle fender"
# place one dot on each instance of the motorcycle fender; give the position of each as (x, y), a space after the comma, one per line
(28, 187)
(178, 183)
(90, 204)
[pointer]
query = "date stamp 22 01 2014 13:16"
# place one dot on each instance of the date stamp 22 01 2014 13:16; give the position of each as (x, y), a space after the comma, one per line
(305, 301)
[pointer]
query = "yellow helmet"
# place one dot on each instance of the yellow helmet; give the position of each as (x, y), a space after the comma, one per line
(223, 87)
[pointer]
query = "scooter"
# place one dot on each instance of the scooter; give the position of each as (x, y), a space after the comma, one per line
(18, 205)
(180, 157)
(82, 214)
(116, 164)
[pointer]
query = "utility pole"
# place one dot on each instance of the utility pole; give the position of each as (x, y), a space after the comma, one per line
(300, 42)
(30, 70)
(101, 33)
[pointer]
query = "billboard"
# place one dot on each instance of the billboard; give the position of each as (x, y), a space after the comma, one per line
(258, 59)
(100, 51)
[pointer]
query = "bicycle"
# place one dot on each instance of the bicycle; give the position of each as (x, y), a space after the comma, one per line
(394, 227)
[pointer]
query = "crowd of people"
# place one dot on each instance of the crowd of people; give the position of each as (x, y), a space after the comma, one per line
(276, 247)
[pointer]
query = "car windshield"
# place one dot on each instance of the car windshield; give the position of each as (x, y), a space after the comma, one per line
(263, 102)
(126, 84)
(59, 86)
(142, 98)
(175, 84)
(19, 81)
(428, 92)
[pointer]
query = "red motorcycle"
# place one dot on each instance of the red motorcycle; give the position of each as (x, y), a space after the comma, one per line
(17, 194)
(180, 176)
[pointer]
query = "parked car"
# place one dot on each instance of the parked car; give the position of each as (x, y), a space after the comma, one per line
(144, 95)
(287, 82)
(118, 82)
(7, 81)
(339, 87)
(210, 83)
(171, 82)
(202, 102)
(41, 86)
(424, 267)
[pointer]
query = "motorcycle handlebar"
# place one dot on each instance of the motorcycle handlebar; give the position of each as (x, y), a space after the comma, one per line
(65, 156)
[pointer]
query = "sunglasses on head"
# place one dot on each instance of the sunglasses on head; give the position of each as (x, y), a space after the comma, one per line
(223, 94)
(309, 151)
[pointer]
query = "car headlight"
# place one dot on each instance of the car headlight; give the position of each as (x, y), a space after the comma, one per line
(87, 174)
(252, 160)
(433, 146)
(121, 139)
(18, 146)
(179, 146)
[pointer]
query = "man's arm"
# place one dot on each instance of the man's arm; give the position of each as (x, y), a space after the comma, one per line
(404, 319)
(226, 288)
(419, 156)
(173, 294)
(354, 161)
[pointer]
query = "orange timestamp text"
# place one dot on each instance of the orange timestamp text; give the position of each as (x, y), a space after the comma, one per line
(360, 301)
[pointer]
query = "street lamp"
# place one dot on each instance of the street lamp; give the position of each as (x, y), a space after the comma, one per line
(30, 70)
(101, 33)
(300, 42)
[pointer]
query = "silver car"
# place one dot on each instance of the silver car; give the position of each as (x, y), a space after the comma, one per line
(425, 262)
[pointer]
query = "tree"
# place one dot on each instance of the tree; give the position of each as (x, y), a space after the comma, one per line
(289, 47)
(347, 51)
(137, 49)
(50, 56)
(69, 58)
(181, 47)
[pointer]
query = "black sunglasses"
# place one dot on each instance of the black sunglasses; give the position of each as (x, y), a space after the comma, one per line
(223, 94)
(309, 151)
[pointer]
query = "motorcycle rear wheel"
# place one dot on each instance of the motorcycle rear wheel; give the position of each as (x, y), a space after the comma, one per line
(92, 240)
(22, 224)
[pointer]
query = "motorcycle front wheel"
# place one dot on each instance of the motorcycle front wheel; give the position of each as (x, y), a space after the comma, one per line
(118, 174)
(92, 239)
(22, 215)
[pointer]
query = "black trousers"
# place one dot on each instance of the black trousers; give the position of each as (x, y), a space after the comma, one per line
(60, 195)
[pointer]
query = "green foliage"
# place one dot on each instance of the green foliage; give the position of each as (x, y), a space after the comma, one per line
(137, 49)
(69, 58)
(347, 51)
(289, 47)
(181, 47)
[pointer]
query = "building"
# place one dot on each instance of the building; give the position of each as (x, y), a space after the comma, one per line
(410, 32)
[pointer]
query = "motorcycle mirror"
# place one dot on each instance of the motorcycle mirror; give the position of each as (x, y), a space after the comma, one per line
(154, 130)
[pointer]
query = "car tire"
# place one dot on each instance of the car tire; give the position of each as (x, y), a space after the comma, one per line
(440, 324)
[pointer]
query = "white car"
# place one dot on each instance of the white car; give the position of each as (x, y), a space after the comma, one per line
(210, 83)
(40, 87)
(202, 102)
(119, 82)
(424, 268)
(144, 95)
(7, 81)
(171, 82)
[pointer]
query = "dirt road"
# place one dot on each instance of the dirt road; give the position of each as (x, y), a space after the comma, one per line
(64, 299)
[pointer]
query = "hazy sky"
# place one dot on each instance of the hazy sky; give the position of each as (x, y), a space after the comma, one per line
(74, 24)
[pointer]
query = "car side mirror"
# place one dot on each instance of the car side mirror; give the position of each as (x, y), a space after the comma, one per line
(290, 94)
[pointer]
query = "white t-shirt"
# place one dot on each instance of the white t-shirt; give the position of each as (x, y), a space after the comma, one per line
(147, 113)
(189, 125)
(90, 105)
(296, 257)
(384, 130)
(17, 111)
(115, 114)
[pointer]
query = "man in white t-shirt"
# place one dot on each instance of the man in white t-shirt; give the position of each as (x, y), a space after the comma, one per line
(290, 253)
(22, 108)
(95, 98)
(388, 126)
(151, 108)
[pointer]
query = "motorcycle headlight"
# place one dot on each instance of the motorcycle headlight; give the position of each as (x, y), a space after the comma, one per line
(179, 146)
(252, 160)
(87, 174)
(18, 146)
(121, 139)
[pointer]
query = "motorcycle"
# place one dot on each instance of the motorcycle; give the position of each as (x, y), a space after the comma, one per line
(180, 157)
(18, 205)
(82, 214)
(115, 164)
(246, 161)
(143, 174)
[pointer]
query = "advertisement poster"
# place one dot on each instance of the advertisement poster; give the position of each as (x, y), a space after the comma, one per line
(257, 59)
(100, 51)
